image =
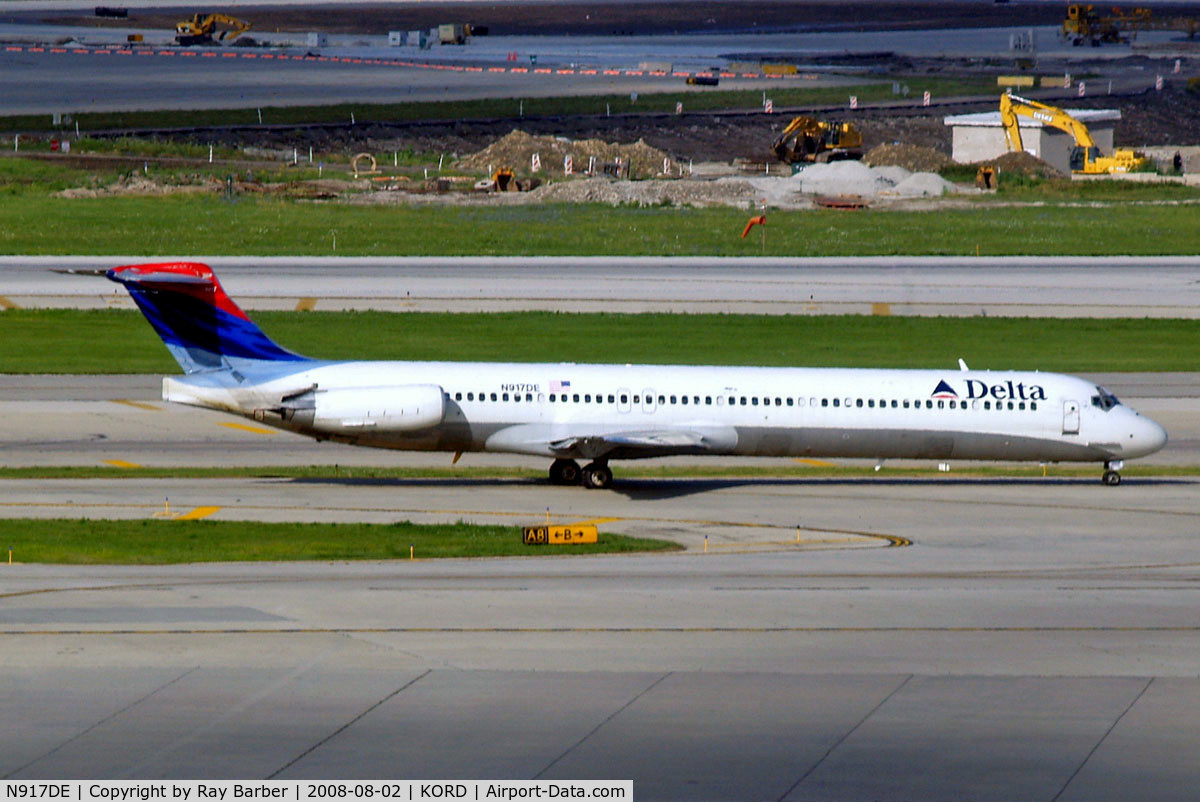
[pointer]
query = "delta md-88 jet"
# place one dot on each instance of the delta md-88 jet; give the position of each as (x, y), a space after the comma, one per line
(573, 413)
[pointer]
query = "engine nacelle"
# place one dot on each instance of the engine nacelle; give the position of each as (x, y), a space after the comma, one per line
(353, 410)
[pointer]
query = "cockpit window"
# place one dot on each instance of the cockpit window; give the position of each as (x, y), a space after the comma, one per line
(1104, 399)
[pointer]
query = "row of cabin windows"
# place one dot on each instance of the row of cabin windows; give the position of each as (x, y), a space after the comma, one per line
(869, 403)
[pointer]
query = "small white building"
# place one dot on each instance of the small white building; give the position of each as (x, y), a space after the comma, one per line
(980, 137)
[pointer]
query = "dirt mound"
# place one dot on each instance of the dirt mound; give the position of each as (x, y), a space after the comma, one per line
(918, 158)
(1026, 164)
(517, 148)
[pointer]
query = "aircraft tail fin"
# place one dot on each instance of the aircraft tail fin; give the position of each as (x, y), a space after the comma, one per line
(200, 325)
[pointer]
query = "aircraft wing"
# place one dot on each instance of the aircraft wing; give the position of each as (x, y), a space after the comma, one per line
(559, 440)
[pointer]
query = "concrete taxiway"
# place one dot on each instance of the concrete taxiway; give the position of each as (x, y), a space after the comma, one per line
(1036, 641)
(819, 639)
(1010, 286)
(120, 420)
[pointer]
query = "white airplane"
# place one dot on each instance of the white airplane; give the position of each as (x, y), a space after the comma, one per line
(600, 413)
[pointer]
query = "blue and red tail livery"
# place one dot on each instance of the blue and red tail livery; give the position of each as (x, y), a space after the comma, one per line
(201, 326)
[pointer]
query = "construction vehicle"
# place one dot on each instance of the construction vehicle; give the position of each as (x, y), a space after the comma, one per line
(1085, 155)
(1084, 24)
(200, 29)
(807, 139)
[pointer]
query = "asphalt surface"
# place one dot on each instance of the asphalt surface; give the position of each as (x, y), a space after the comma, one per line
(1038, 640)
(1009, 286)
(54, 77)
(819, 639)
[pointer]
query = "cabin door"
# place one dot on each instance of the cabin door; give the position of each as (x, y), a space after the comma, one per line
(1070, 417)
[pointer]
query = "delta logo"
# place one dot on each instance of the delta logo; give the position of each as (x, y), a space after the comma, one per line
(1001, 391)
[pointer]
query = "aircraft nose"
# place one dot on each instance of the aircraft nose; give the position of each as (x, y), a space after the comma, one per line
(1145, 437)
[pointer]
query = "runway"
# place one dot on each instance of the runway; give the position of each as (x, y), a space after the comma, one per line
(1002, 286)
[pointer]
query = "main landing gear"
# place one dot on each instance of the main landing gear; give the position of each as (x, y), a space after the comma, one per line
(1112, 474)
(594, 476)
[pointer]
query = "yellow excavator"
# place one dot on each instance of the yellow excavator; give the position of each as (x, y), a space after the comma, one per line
(807, 139)
(1085, 156)
(200, 28)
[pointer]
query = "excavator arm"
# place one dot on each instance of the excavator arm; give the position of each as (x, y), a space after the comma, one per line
(1085, 156)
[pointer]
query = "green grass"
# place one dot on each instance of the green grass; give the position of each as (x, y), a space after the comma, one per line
(155, 542)
(249, 227)
(111, 341)
(782, 94)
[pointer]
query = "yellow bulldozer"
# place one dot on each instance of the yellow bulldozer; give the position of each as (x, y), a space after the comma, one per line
(202, 29)
(807, 139)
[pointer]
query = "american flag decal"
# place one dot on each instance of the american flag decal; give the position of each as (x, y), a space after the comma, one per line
(558, 386)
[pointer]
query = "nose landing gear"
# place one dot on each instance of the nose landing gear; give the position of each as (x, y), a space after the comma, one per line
(1112, 474)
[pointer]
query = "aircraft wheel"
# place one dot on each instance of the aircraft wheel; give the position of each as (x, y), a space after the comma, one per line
(1111, 478)
(597, 476)
(564, 472)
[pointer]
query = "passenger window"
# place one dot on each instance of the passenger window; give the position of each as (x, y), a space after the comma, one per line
(662, 399)
(906, 403)
(635, 400)
(812, 402)
(1010, 405)
(790, 402)
(824, 402)
(858, 403)
(588, 398)
(575, 398)
(928, 404)
(470, 396)
(708, 400)
(778, 402)
(836, 401)
(612, 399)
(1033, 405)
(941, 404)
(870, 403)
(987, 404)
(754, 400)
(1021, 406)
(506, 396)
(683, 399)
(624, 399)
(458, 396)
(493, 396)
(953, 405)
(528, 396)
(552, 396)
(517, 397)
(672, 399)
(743, 402)
(696, 400)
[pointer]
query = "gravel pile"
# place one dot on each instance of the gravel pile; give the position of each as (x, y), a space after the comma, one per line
(917, 158)
(725, 192)
(924, 185)
(1026, 164)
(516, 150)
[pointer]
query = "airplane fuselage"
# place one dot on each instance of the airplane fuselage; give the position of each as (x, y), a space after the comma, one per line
(749, 411)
